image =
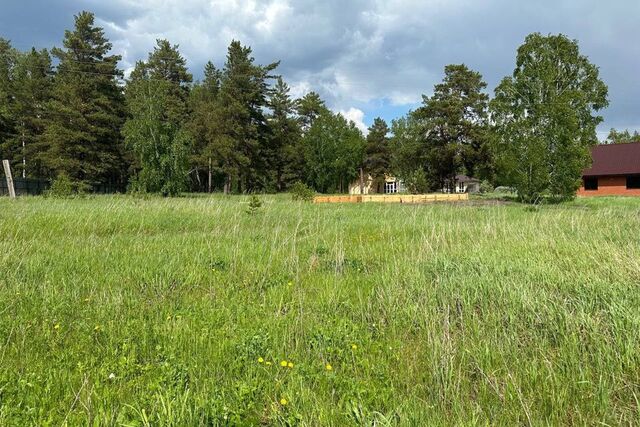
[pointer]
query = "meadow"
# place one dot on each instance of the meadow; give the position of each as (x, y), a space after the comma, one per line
(129, 311)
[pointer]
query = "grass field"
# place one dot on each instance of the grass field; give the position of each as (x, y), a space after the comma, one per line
(130, 311)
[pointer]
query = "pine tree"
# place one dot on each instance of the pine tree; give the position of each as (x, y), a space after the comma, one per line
(309, 107)
(240, 127)
(377, 160)
(455, 128)
(285, 160)
(156, 131)
(82, 138)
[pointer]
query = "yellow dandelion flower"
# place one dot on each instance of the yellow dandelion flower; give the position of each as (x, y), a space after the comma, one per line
(56, 326)
(354, 347)
(268, 363)
(260, 360)
(283, 363)
(290, 284)
(328, 367)
(283, 401)
(290, 364)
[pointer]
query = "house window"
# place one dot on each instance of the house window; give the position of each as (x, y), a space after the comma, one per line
(633, 182)
(591, 184)
(390, 187)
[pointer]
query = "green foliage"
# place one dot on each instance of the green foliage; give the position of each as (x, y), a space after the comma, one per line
(545, 118)
(155, 131)
(622, 137)
(334, 148)
(32, 83)
(202, 103)
(85, 115)
(309, 108)
(7, 120)
(254, 205)
(377, 156)
(416, 182)
(301, 191)
(486, 187)
(283, 153)
(62, 186)
(239, 129)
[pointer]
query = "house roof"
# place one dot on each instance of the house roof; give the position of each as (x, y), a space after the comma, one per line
(465, 178)
(614, 159)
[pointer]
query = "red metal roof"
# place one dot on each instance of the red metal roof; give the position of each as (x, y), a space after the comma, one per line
(614, 159)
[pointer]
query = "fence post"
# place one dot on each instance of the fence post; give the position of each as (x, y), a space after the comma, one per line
(7, 173)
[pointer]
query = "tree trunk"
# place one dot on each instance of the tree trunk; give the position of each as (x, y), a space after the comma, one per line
(209, 183)
(227, 184)
(361, 182)
(24, 158)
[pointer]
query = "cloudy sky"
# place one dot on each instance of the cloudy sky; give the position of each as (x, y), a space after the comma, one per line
(367, 58)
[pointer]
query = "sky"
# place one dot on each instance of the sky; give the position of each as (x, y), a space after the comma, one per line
(366, 58)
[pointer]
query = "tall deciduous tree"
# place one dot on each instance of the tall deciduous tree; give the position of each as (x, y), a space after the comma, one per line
(7, 63)
(203, 101)
(82, 139)
(334, 148)
(545, 117)
(157, 100)
(622, 137)
(32, 80)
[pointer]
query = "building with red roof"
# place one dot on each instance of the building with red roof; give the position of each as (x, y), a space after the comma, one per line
(615, 171)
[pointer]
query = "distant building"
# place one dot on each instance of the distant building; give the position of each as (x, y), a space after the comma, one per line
(392, 185)
(387, 185)
(462, 184)
(615, 171)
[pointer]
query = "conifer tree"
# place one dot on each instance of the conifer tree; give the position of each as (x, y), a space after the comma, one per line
(454, 124)
(240, 127)
(309, 107)
(82, 138)
(284, 154)
(377, 160)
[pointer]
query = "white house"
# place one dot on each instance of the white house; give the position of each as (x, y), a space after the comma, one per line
(387, 185)
(462, 184)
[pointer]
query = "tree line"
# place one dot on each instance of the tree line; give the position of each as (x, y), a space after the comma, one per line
(70, 113)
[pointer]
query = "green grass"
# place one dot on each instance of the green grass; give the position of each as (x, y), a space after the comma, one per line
(129, 311)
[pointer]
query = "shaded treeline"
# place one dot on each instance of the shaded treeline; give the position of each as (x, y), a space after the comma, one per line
(70, 113)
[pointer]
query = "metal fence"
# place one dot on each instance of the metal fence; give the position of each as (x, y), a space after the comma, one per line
(35, 187)
(24, 186)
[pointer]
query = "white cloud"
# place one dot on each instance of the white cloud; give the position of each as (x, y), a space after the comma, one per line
(356, 116)
(357, 52)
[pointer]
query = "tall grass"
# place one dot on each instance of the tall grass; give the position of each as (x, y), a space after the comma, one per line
(128, 311)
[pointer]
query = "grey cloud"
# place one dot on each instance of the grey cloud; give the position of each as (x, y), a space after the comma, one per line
(359, 52)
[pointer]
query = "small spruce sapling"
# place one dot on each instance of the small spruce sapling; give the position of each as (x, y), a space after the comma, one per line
(254, 205)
